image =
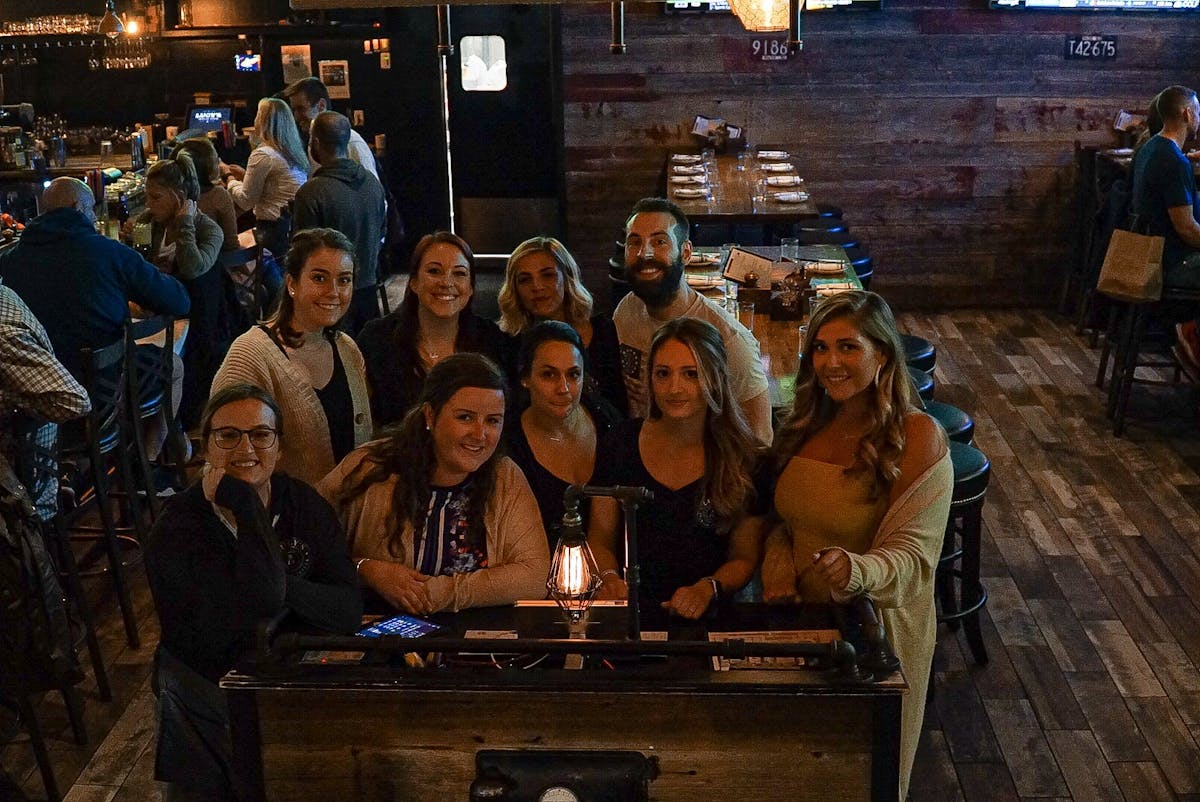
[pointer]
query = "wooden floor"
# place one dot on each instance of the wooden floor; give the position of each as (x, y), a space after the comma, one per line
(1091, 563)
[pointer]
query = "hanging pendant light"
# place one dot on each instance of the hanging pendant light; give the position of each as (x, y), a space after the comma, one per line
(763, 15)
(111, 25)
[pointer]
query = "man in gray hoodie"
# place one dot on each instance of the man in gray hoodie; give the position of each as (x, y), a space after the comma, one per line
(343, 196)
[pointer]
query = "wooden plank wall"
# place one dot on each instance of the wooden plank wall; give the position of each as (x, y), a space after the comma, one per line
(945, 129)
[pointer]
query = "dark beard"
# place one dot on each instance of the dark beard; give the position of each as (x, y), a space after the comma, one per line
(656, 294)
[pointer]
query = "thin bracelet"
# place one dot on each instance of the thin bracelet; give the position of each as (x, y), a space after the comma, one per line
(716, 587)
(608, 571)
(358, 565)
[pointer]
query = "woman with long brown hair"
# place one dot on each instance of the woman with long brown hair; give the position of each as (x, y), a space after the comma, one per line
(699, 539)
(299, 356)
(432, 322)
(863, 488)
(435, 516)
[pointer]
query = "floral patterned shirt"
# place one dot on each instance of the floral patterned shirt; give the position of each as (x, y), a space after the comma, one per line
(444, 549)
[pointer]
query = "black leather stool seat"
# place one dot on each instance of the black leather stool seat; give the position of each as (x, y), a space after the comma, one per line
(972, 470)
(959, 592)
(829, 210)
(922, 381)
(919, 352)
(958, 425)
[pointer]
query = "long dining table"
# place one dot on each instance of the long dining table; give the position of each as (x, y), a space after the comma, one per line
(726, 193)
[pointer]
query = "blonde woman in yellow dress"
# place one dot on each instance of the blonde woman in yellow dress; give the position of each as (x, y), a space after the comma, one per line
(863, 489)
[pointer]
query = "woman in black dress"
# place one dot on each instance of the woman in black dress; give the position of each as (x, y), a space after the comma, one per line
(432, 322)
(554, 437)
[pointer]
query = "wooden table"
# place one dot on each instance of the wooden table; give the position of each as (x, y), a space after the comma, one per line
(381, 732)
(736, 202)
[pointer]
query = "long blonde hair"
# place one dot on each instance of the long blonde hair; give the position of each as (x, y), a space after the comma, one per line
(577, 301)
(892, 396)
(276, 127)
(730, 450)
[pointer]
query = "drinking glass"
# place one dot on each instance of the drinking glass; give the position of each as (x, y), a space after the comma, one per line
(789, 249)
(801, 333)
(743, 161)
(745, 314)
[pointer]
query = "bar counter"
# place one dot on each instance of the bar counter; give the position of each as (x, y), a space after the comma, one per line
(384, 730)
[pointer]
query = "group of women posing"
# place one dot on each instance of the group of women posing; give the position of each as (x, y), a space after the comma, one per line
(456, 503)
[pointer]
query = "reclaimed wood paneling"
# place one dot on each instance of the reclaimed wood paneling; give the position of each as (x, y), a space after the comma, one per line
(943, 128)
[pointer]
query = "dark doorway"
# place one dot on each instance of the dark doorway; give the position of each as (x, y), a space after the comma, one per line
(505, 145)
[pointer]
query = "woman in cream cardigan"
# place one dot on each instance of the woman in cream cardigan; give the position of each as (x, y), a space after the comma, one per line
(863, 489)
(436, 519)
(298, 356)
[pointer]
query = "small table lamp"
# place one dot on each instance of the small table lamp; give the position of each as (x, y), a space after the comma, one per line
(574, 576)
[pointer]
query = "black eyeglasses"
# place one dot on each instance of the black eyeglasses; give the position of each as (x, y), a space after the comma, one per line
(228, 437)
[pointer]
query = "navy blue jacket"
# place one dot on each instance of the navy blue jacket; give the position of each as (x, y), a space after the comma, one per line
(78, 283)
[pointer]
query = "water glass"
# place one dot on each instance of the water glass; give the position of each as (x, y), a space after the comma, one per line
(759, 196)
(789, 249)
(745, 314)
(801, 333)
(730, 296)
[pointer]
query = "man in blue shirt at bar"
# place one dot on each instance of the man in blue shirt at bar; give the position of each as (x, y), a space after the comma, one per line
(1166, 203)
(79, 283)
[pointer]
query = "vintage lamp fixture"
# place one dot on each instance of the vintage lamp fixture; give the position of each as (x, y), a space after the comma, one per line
(574, 576)
(110, 24)
(763, 16)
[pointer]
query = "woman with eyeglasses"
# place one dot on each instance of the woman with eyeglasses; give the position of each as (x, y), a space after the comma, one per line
(241, 545)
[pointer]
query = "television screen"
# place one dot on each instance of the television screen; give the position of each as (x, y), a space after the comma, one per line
(248, 62)
(209, 118)
(1099, 5)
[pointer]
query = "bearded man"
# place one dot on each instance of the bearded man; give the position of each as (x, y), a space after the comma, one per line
(656, 249)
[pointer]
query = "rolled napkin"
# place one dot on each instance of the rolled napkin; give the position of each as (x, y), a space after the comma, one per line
(791, 197)
(685, 192)
(825, 268)
(833, 288)
(777, 167)
(686, 158)
(773, 155)
(784, 180)
(683, 169)
(688, 179)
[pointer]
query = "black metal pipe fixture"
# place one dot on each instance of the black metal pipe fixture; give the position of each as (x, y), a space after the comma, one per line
(617, 48)
(794, 43)
(445, 43)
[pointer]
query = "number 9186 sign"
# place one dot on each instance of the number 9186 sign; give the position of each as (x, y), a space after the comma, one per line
(769, 49)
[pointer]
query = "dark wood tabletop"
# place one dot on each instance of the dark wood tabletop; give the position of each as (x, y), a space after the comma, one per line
(732, 201)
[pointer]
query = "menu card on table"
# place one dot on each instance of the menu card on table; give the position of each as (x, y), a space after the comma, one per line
(742, 262)
(776, 636)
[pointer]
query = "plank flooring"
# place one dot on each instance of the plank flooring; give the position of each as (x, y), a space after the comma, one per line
(1091, 558)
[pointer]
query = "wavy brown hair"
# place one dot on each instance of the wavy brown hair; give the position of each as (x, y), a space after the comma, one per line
(893, 397)
(577, 301)
(730, 450)
(407, 452)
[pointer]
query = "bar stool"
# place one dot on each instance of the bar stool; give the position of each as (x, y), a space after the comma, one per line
(958, 425)
(829, 210)
(106, 439)
(922, 382)
(960, 594)
(1126, 337)
(842, 238)
(919, 352)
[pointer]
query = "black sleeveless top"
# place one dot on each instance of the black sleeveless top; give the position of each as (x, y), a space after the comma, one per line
(335, 400)
(339, 408)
